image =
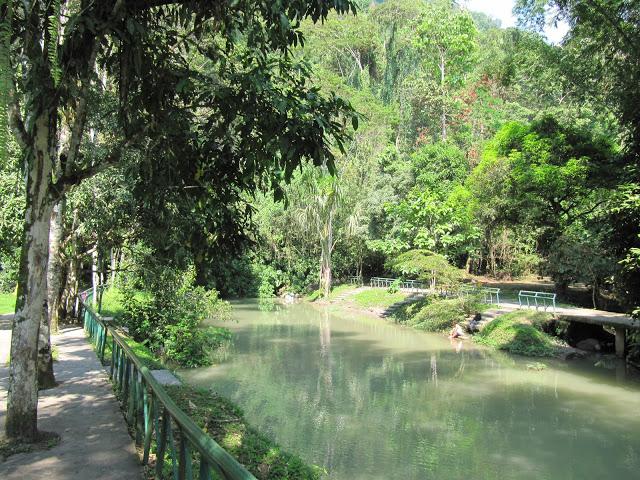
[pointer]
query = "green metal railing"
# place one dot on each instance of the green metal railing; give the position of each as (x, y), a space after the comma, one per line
(383, 282)
(160, 426)
(530, 298)
(489, 295)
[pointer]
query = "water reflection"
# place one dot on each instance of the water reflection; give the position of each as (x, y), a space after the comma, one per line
(367, 399)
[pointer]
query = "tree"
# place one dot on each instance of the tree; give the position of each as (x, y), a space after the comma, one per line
(447, 35)
(427, 267)
(143, 49)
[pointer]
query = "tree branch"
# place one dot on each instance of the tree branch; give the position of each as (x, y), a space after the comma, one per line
(15, 119)
(81, 110)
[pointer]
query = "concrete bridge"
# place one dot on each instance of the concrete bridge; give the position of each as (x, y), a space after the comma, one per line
(619, 321)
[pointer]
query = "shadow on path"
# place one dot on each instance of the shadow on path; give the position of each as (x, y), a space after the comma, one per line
(85, 413)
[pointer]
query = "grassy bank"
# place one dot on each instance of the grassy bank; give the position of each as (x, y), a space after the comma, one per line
(521, 333)
(377, 298)
(7, 303)
(222, 420)
(517, 332)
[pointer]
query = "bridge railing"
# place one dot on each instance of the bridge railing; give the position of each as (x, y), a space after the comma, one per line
(530, 298)
(153, 415)
(382, 282)
(489, 295)
(355, 280)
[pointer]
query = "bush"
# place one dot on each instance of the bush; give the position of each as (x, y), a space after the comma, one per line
(9, 272)
(441, 315)
(516, 332)
(168, 320)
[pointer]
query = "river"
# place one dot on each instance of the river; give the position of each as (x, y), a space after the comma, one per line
(367, 399)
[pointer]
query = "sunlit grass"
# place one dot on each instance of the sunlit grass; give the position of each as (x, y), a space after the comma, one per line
(378, 298)
(7, 303)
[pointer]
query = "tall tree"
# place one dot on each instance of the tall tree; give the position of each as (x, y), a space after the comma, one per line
(447, 35)
(144, 46)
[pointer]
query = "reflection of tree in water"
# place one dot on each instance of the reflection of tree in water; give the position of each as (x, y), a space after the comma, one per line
(358, 410)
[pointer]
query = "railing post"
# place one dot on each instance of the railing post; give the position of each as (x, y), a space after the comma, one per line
(162, 444)
(184, 464)
(148, 425)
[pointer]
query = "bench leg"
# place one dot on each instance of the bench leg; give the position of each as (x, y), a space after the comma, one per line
(620, 340)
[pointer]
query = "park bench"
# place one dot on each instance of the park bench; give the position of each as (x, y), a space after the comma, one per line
(532, 298)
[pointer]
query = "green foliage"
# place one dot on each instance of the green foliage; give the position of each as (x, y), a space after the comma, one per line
(519, 333)
(441, 315)
(377, 298)
(427, 267)
(404, 313)
(168, 320)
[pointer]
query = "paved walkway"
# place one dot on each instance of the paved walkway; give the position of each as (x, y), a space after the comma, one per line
(585, 315)
(95, 444)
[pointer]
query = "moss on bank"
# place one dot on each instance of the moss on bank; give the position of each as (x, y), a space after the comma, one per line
(437, 315)
(225, 423)
(520, 333)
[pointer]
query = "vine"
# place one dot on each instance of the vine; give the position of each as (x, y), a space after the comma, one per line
(53, 28)
(6, 13)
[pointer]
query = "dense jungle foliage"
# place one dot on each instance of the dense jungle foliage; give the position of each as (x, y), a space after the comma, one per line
(254, 148)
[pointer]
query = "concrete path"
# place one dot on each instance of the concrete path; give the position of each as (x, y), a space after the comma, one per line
(585, 315)
(95, 444)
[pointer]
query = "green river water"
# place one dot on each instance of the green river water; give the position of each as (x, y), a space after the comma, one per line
(367, 399)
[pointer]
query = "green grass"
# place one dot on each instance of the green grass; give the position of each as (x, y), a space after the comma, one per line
(520, 333)
(335, 292)
(225, 423)
(340, 289)
(378, 297)
(149, 360)
(7, 303)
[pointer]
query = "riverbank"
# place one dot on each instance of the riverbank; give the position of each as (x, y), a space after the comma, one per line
(224, 421)
(522, 332)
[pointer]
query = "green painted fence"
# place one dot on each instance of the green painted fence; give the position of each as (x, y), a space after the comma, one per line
(182, 450)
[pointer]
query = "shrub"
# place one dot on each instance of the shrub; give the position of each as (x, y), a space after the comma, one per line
(441, 315)
(516, 332)
(168, 320)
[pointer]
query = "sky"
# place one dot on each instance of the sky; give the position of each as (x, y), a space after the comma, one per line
(502, 10)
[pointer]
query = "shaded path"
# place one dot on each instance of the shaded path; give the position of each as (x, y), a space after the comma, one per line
(95, 444)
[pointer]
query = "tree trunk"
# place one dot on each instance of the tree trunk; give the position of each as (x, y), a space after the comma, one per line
(49, 323)
(54, 269)
(443, 114)
(31, 304)
(95, 274)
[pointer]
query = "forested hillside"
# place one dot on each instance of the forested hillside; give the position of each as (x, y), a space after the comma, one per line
(186, 151)
(506, 154)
